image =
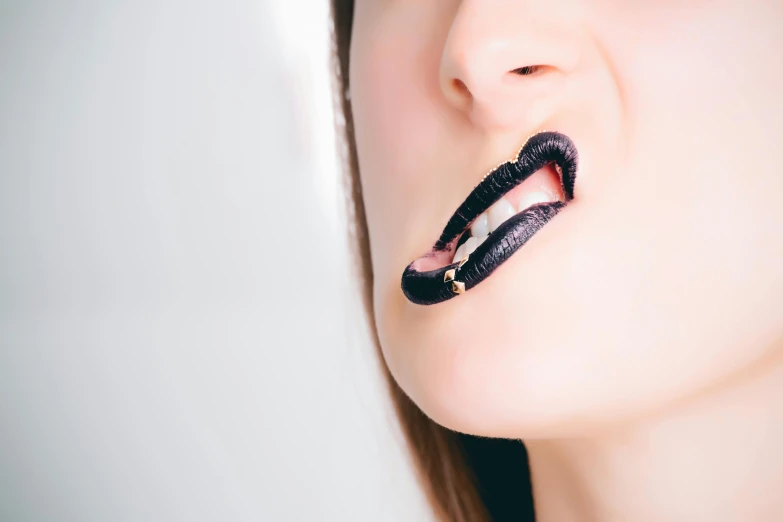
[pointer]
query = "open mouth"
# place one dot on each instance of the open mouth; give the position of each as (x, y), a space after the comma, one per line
(501, 214)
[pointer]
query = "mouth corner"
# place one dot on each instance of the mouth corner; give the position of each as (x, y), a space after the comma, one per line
(429, 286)
(432, 278)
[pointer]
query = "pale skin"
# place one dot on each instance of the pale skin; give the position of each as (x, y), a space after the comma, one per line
(636, 342)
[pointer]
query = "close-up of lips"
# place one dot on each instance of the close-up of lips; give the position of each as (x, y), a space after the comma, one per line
(509, 205)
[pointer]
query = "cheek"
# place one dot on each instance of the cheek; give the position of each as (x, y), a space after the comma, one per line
(398, 129)
(704, 117)
(685, 288)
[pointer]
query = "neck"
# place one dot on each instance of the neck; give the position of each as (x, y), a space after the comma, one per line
(720, 457)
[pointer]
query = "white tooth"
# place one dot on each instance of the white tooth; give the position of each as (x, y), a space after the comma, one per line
(480, 227)
(499, 212)
(532, 199)
(460, 253)
(482, 239)
(470, 245)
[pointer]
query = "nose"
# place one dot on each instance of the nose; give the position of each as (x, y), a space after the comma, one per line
(504, 58)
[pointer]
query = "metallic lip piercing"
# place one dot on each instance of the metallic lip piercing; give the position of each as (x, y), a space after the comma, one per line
(541, 149)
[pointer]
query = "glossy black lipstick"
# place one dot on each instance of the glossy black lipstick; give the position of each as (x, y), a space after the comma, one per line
(423, 286)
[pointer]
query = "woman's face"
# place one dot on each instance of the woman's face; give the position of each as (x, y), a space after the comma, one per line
(662, 277)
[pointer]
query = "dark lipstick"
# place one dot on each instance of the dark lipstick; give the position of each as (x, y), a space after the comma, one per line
(440, 284)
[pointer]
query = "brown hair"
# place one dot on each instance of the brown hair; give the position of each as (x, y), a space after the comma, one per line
(449, 465)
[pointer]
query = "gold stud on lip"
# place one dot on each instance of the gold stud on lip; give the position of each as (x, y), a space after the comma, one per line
(458, 287)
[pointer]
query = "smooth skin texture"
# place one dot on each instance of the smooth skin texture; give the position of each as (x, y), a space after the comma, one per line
(636, 342)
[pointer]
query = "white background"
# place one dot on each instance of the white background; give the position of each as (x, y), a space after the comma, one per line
(179, 340)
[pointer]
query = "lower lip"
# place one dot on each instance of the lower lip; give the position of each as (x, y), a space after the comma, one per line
(425, 287)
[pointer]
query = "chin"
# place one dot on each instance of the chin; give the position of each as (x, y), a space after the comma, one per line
(488, 383)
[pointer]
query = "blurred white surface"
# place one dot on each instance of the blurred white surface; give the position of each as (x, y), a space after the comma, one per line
(178, 337)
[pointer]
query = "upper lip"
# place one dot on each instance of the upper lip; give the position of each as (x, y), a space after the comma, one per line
(538, 151)
(544, 148)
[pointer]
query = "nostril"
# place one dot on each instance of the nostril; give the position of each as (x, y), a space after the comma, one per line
(460, 87)
(528, 70)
